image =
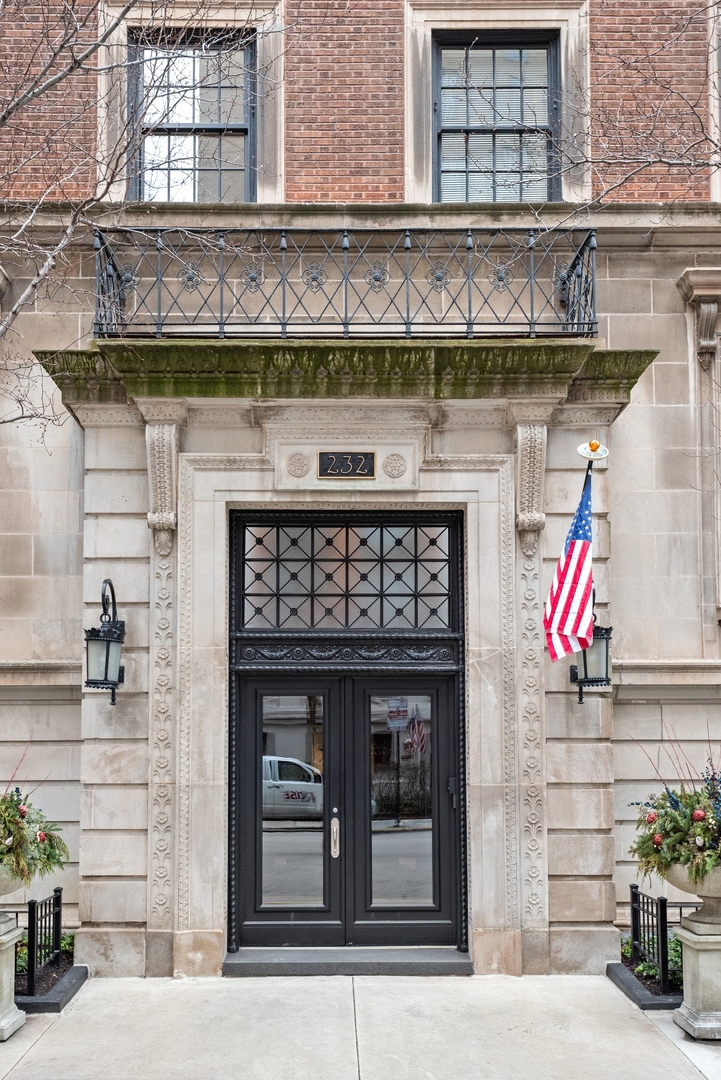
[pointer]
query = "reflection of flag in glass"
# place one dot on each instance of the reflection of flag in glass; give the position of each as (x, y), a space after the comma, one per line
(419, 739)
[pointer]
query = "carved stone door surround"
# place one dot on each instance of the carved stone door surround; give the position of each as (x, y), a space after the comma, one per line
(481, 485)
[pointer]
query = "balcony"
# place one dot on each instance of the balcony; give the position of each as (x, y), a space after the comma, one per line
(346, 283)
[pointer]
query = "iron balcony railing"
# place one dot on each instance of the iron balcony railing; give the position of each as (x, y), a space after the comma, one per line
(352, 282)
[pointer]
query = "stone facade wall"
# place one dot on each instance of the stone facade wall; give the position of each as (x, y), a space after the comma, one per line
(41, 506)
(655, 575)
(111, 775)
(114, 849)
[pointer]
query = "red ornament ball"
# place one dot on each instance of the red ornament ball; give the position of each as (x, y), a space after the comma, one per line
(42, 837)
(699, 815)
(658, 839)
(22, 810)
(650, 818)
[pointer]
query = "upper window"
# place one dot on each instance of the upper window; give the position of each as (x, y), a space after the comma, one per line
(496, 106)
(191, 106)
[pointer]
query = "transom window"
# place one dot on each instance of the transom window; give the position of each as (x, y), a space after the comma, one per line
(496, 107)
(362, 577)
(192, 108)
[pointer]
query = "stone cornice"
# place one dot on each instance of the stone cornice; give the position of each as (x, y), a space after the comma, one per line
(551, 370)
(698, 282)
(641, 673)
(647, 221)
(40, 672)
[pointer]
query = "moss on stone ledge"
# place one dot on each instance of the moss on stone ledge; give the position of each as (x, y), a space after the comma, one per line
(302, 368)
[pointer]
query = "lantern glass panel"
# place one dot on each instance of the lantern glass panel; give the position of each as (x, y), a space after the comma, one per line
(114, 648)
(97, 651)
(596, 659)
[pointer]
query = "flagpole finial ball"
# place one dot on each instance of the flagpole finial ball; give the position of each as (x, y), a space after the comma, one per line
(593, 450)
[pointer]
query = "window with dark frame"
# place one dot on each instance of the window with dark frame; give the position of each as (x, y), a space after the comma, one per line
(192, 108)
(496, 109)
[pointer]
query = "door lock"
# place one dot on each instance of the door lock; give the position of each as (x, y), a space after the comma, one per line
(334, 837)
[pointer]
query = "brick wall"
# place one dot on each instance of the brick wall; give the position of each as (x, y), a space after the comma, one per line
(650, 99)
(344, 101)
(48, 148)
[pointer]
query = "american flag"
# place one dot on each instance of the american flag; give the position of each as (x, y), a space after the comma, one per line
(419, 739)
(568, 618)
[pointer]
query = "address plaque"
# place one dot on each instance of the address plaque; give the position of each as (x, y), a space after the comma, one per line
(346, 465)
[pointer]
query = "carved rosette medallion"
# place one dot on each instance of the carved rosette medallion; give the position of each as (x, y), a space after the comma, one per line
(298, 465)
(394, 465)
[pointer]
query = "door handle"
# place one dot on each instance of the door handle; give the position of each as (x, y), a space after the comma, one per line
(334, 838)
(453, 789)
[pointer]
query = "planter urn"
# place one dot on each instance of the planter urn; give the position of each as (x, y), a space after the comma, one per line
(11, 1018)
(700, 936)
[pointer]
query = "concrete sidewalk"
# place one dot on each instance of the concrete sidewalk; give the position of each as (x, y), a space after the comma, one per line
(365, 1028)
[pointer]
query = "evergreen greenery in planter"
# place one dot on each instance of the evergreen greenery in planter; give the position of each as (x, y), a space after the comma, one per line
(30, 845)
(681, 826)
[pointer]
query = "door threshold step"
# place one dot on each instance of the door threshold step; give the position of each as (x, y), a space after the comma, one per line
(350, 960)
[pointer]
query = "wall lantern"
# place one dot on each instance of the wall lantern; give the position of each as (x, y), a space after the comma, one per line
(103, 646)
(595, 661)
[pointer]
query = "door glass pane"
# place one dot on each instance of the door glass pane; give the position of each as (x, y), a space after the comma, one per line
(291, 778)
(401, 804)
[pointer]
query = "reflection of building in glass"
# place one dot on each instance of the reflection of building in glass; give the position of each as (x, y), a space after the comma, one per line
(293, 727)
(400, 761)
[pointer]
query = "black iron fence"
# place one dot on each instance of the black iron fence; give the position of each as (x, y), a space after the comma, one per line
(353, 282)
(652, 918)
(41, 945)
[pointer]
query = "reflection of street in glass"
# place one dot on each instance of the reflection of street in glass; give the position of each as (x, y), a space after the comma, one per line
(292, 777)
(401, 800)
(292, 865)
(402, 865)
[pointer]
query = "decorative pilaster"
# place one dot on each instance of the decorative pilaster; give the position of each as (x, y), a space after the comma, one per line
(531, 431)
(701, 289)
(161, 435)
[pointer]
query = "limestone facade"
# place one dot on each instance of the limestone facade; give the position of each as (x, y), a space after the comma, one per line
(145, 485)
(161, 437)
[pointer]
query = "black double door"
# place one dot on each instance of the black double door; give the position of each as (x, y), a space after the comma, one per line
(346, 824)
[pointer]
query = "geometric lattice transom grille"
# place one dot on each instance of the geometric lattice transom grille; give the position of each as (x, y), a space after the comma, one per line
(362, 577)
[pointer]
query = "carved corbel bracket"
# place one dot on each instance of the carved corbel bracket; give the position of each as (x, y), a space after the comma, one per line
(163, 420)
(530, 472)
(161, 441)
(701, 286)
(706, 312)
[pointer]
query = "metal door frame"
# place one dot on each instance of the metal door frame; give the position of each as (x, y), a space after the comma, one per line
(315, 654)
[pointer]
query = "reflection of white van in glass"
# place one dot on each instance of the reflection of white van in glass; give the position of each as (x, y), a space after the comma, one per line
(292, 789)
